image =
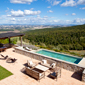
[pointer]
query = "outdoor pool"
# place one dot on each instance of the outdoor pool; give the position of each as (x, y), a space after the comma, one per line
(67, 58)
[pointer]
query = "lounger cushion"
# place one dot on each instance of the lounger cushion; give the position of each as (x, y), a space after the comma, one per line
(44, 61)
(53, 65)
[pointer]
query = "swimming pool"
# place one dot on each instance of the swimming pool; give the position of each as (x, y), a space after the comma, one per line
(60, 56)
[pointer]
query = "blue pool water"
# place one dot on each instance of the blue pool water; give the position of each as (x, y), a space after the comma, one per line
(60, 56)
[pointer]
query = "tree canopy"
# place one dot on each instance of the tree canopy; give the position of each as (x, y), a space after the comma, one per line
(68, 38)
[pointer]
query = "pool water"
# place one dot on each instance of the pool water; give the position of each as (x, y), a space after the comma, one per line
(60, 56)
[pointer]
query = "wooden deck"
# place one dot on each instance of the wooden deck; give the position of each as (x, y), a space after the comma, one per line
(20, 78)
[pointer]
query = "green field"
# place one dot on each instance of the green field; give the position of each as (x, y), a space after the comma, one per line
(4, 73)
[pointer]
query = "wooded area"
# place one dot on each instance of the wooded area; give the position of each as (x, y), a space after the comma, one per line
(65, 38)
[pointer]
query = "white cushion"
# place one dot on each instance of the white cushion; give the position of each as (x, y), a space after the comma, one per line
(40, 74)
(44, 61)
(30, 62)
(27, 48)
(53, 65)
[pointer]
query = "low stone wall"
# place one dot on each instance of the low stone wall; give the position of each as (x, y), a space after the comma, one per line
(83, 76)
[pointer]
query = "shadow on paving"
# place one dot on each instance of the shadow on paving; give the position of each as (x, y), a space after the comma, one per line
(26, 65)
(77, 76)
(23, 71)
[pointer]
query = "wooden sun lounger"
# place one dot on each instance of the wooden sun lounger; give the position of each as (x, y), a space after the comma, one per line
(4, 57)
(11, 60)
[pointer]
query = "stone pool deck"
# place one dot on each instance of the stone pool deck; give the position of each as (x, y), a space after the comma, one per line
(19, 78)
(82, 62)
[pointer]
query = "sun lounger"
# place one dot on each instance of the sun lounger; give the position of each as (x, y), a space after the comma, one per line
(11, 60)
(26, 48)
(4, 57)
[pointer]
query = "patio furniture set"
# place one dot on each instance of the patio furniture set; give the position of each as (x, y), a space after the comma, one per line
(37, 71)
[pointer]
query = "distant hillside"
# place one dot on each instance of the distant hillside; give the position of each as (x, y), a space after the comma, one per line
(67, 38)
(6, 29)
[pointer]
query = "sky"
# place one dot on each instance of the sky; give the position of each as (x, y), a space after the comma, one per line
(42, 12)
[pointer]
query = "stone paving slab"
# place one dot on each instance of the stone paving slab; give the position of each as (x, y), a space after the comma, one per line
(82, 62)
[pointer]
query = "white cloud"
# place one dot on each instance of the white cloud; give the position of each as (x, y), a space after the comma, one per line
(73, 3)
(7, 9)
(81, 2)
(18, 13)
(45, 16)
(31, 8)
(73, 14)
(83, 8)
(50, 11)
(22, 1)
(69, 3)
(8, 15)
(54, 2)
(79, 21)
(13, 19)
(29, 12)
(49, 7)
(39, 20)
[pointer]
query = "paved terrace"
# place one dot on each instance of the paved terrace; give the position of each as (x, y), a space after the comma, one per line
(19, 78)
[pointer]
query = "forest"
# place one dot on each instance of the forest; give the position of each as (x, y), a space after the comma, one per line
(64, 38)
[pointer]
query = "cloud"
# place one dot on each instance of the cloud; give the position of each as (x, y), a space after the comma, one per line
(29, 12)
(73, 3)
(79, 21)
(13, 19)
(83, 8)
(7, 9)
(49, 7)
(54, 2)
(39, 20)
(69, 3)
(20, 13)
(73, 14)
(31, 8)
(22, 1)
(50, 11)
(66, 14)
(8, 15)
(82, 2)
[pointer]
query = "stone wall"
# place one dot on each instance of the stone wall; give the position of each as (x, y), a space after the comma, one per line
(83, 76)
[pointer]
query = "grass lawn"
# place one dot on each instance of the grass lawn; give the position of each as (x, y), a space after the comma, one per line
(4, 73)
